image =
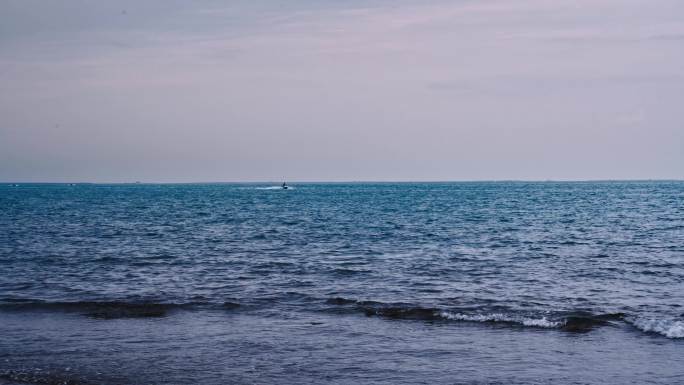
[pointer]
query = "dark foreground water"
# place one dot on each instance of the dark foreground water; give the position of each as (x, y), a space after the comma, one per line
(461, 283)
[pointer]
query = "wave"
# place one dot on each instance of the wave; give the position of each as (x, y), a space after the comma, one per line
(340, 301)
(101, 310)
(407, 313)
(542, 322)
(141, 307)
(669, 328)
(575, 322)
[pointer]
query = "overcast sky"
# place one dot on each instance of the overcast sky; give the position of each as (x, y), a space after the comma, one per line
(180, 91)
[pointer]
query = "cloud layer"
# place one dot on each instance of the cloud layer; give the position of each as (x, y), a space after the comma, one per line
(220, 91)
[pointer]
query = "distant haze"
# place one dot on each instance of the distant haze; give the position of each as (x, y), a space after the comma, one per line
(180, 91)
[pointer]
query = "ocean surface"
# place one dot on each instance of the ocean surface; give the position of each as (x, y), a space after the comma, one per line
(385, 283)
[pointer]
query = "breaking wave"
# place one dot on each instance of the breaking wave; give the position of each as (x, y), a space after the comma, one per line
(542, 322)
(576, 322)
(570, 322)
(669, 328)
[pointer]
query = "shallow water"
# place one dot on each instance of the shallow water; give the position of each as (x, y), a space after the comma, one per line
(474, 283)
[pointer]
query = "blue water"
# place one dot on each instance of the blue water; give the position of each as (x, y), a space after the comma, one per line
(465, 283)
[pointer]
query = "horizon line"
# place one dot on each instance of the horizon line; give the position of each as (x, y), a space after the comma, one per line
(360, 181)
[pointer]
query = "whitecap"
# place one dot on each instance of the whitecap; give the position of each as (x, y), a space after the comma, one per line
(500, 317)
(669, 328)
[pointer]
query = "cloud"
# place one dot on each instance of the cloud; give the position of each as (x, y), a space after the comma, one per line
(335, 90)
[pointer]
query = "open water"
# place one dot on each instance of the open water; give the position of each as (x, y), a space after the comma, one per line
(389, 283)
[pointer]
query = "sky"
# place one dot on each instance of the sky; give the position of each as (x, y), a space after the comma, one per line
(345, 90)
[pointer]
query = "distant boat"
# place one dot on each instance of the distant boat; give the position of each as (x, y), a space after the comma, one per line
(285, 186)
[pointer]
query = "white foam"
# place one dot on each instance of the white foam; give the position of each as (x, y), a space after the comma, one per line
(500, 317)
(667, 327)
(274, 188)
(541, 322)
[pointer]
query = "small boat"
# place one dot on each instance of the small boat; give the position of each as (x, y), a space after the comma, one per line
(285, 186)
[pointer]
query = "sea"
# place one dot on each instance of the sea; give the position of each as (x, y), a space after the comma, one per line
(342, 283)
